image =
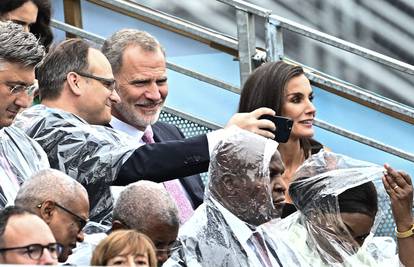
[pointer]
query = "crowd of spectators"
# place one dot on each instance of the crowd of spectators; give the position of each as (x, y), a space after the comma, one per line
(96, 127)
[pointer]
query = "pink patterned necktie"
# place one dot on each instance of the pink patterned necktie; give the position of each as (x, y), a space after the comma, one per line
(173, 187)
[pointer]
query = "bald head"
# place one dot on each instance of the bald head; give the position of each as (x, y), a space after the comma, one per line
(49, 184)
(61, 202)
(142, 203)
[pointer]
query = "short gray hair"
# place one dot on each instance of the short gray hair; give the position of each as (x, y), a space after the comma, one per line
(140, 203)
(17, 46)
(114, 47)
(48, 184)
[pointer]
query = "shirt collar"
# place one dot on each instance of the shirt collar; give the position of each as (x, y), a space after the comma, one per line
(126, 128)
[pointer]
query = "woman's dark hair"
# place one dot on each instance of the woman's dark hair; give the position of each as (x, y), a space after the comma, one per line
(41, 28)
(266, 87)
(360, 199)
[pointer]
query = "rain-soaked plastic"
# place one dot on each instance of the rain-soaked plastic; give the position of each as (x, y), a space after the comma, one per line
(20, 158)
(91, 154)
(316, 235)
(214, 236)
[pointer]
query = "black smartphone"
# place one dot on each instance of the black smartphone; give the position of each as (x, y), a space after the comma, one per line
(283, 127)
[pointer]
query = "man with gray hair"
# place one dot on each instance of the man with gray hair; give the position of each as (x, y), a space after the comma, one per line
(61, 202)
(77, 91)
(139, 66)
(144, 206)
(20, 156)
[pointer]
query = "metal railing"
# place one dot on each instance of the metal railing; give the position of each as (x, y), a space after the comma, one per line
(326, 126)
(274, 48)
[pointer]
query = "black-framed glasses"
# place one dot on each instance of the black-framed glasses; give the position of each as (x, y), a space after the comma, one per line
(170, 250)
(109, 84)
(35, 251)
(81, 221)
(18, 88)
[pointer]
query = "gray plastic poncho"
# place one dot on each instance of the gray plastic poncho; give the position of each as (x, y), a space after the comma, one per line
(20, 158)
(326, 186)
(218, 234)
(91, 154)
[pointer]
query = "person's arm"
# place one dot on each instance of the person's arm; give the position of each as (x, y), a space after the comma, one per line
(164, 161)
(399, 187)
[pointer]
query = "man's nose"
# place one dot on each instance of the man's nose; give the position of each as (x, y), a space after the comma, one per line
(22, 100)
(153, 92)
(162, 256)
(114, 97)
(46, 258)
(80, 237)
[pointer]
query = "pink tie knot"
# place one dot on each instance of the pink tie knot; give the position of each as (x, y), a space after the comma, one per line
(148, 136)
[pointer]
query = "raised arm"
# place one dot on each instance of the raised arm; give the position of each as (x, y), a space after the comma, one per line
(400, 189)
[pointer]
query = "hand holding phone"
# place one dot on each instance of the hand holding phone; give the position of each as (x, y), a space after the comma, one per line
(283, 127)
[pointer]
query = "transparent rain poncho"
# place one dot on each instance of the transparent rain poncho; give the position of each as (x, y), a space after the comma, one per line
(316, 235)
(91, 154)
(20, 158)
(214, 236)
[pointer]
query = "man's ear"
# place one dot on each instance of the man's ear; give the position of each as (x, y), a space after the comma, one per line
(73, 79)
(229, 184)
(117, 225)
(47, 210)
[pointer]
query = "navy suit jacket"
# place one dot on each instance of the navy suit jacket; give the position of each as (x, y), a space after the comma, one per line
(192, 184)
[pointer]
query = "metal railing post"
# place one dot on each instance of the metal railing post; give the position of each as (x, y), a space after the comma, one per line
(247, 43)
(274, 41)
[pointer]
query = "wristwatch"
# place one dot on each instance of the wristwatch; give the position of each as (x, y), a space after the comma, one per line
(405, 234)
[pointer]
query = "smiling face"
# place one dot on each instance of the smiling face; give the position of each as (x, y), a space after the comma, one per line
(24, 15)
(142, 87)
(297, 105)
(11, 103)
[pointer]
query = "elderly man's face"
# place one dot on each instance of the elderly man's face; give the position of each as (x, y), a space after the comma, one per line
(22, 231)
(66, 225)
(277, 184)
(255, 196)
(143, 87)
(12, 74)
(163, 236)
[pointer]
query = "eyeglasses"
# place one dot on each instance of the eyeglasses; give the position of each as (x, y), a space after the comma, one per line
(170, 250)
(81, 221)
(35, 251)
(109, 84)
(18, 88)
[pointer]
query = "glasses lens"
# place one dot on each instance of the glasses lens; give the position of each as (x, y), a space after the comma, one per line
(55, 250)
(35, 251)
(18, 89)
(175, 246)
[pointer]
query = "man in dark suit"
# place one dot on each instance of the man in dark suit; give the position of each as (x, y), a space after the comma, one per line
(138, 62)
(77, 89)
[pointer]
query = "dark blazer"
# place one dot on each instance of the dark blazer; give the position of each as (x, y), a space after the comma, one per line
(192, 184)
(175, 157)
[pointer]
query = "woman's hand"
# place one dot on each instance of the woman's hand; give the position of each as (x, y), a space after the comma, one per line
(400, 189)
